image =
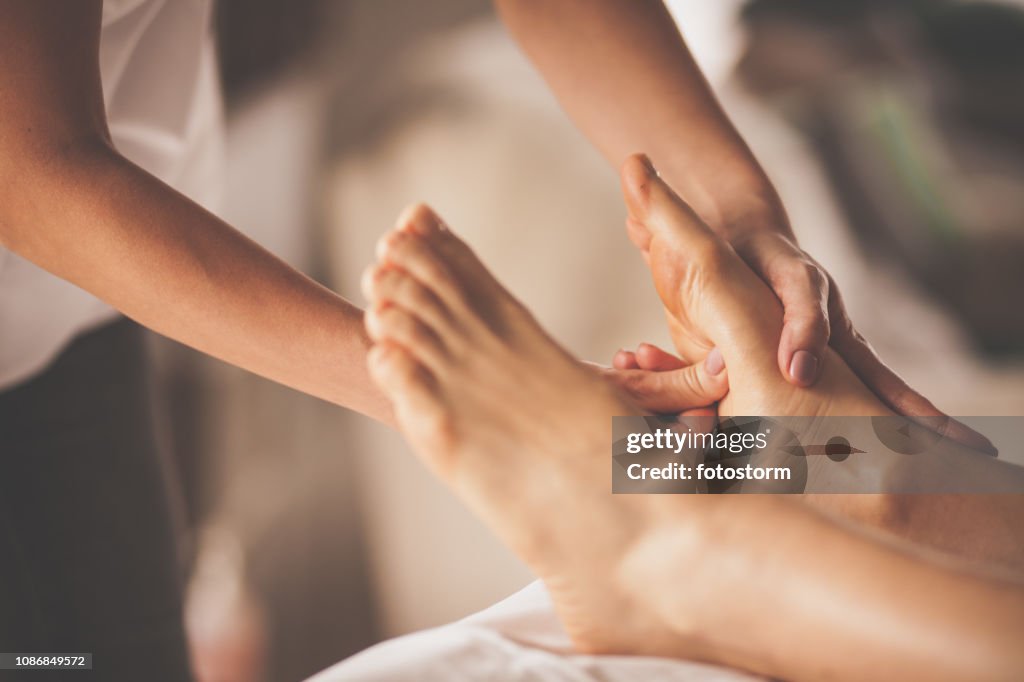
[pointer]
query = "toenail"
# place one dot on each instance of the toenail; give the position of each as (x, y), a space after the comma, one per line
(804, 367)
(714, 363)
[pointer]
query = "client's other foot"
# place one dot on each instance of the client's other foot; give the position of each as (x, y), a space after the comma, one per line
(511, 421)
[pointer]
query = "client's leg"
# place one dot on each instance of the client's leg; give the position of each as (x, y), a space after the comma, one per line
(773, 587)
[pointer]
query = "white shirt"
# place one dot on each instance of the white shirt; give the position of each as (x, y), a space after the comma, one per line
(162, 96)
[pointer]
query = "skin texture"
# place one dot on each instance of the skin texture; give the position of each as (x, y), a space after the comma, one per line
(74, 206)
(515, 426)
(983, 529)
(70, 203)
(655, 98)
(856, 608)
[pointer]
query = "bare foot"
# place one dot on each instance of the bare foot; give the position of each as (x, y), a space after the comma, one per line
(715, 300)
(518, 427)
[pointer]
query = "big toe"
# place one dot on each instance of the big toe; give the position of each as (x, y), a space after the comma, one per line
(658, 214)
(459, 258)
(684, 255)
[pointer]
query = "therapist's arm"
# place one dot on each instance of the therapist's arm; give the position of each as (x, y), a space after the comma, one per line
(72, 205)
(623, 73)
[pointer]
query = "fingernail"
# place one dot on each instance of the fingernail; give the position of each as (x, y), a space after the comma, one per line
(803, 367)
(714, 363)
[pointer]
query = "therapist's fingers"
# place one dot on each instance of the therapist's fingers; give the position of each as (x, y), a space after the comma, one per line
(647, 356)
(803, 287)
(674, 391)
(650, 357)
(625, 359)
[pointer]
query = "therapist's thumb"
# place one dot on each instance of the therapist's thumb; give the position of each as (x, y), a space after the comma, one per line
(673, 391)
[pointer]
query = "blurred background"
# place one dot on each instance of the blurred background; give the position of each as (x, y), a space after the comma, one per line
(894, 130)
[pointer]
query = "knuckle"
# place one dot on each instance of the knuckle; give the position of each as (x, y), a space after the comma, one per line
(901, 400)
(814, 324)
(802, 272)
(816, 277)
(637, 383)
(689, 382)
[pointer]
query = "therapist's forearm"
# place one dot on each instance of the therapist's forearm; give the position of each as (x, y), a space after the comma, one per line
(624, 75)
(91, 217)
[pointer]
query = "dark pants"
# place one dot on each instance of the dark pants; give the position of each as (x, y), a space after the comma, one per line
(88, 560)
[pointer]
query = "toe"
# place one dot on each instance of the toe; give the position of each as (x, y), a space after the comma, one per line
(420, 219)
(419, 403)
(411, 252)
(654, 206)
(463, 260)
(406, 382)
(459, 257)
(386, 322)
(680, 249)
(388, 284)
(695, 271)
(393, 368)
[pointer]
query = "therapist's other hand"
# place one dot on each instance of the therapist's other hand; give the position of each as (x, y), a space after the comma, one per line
(815, 316)
(662, 383)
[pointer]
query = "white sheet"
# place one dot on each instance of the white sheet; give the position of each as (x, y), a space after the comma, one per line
(517, 639)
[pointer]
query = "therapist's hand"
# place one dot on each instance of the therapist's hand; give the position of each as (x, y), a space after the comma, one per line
(662, 383)
(815, 317)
